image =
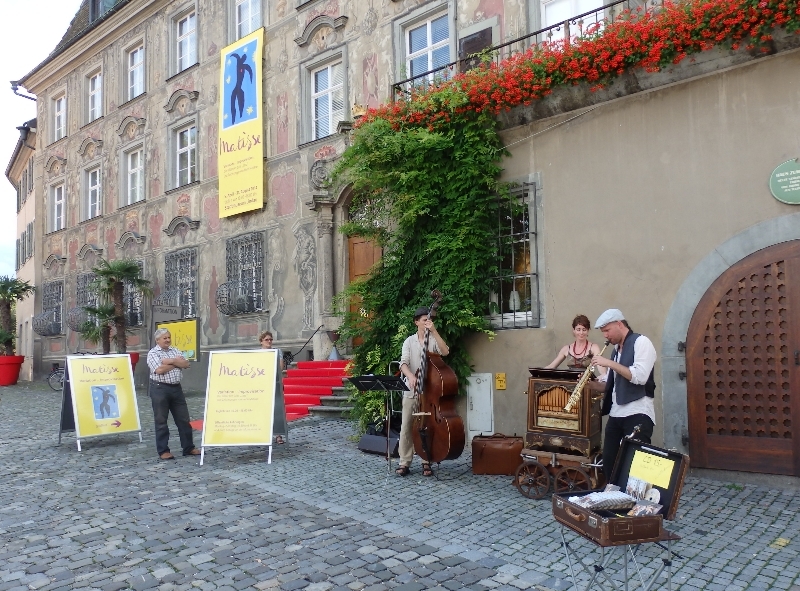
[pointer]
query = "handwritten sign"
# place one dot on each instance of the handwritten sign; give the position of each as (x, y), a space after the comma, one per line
(103, 396)
(184, 336)
(651, 468)
(240, 397)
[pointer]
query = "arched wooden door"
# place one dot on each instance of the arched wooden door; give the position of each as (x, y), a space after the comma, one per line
(743, 366)
(362, 256)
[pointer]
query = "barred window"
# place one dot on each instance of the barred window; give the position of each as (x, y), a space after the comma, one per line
(180, 281)
(85, 294)
(134, 315)
(514, 301)
(244, 265)
(49, 322)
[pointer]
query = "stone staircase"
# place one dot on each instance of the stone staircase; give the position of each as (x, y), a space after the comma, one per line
(315, 387)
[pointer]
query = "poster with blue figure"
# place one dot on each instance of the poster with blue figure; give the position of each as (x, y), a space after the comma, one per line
(240, 83)
(104, 399)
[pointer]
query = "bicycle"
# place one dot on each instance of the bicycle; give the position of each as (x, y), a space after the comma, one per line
(56, 378)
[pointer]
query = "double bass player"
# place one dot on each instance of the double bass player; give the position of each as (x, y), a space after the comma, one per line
(410, 360)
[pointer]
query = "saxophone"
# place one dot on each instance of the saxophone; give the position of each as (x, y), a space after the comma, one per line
(576, 393)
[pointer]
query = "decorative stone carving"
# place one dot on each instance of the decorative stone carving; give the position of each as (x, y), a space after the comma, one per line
(305, 265)
(324, 228)
(182, 101)
(370, 21)
(322, 20)
(274, 268)
(283, 60)
(319, 175)
(55, 165)
(54, 259)
(179, 221)
(89, 148)
(127, 237)
(89, 248)
(130, 128)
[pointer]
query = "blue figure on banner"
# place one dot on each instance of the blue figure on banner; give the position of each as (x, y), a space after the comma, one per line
(237, 93)
(105, 402)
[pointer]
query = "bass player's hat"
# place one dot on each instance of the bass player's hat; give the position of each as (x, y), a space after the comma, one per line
(420, 313)
(609, 316)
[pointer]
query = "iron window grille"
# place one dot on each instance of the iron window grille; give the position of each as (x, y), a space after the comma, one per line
(244, 265)
(514, 301)
(180, 281)
(48, 323)
(132, 297)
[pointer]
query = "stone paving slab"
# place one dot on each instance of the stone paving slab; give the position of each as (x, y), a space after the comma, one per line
(323, 516)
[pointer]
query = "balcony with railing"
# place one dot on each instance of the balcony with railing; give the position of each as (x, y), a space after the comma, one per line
(565, 32)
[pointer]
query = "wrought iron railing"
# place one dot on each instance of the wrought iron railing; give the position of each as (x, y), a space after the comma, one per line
(48, 323)
(569, 29)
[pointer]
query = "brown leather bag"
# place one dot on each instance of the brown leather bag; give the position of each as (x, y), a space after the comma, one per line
(496, 454)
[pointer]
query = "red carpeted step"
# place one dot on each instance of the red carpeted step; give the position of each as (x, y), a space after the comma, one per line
(297, 409)
(308, 399)
(197, 424)
(314, 381)
(291, 416)
(312, 373)
(306, 389)
(322, 364)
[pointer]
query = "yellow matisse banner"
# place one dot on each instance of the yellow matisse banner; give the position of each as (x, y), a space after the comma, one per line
(184, 336)
(240, 397)
(103, 396)
(241, 126)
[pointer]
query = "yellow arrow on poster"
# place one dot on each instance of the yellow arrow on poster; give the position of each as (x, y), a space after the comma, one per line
(240, 398)
(103, 395)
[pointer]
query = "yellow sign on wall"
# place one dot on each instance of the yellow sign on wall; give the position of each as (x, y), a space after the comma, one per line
(241, 127)
(103, 396)
(240, 397)
(184, 336)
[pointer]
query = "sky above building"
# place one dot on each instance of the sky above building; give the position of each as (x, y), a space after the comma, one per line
(28, 33)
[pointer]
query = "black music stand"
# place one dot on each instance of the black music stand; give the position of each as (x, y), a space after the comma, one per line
(387, 384)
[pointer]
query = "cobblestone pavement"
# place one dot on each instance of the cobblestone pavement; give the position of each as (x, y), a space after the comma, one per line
(322, 516)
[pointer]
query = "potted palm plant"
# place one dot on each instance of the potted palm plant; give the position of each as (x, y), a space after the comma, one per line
(12, 290)
(112, 276)
(97, 329)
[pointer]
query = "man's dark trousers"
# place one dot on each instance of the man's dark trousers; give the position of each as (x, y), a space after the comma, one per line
(168, 398)
(616, 429)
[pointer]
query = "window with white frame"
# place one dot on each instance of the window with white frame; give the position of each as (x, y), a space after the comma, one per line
(246, 16)
(135, 70)
(185, 41)
(94, 193)
(327, 99)
(94, 87)
(514, 300)
(557, 11)
(133, 176)
(59, 117)
(30, 176)
(58, 208)
(185, 153)
(427, 46)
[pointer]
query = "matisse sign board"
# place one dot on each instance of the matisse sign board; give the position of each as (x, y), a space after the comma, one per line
(240, 397)
(185, 336)
(103, 396)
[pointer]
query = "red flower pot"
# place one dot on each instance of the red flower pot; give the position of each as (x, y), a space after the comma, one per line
(134, 360)
(9, 369)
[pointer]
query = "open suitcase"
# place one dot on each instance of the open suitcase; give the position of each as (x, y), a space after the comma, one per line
(652, 469)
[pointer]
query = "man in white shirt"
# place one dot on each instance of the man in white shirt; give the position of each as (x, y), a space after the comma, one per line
(630, 387)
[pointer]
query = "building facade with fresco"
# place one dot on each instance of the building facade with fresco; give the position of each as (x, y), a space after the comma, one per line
(652, 196)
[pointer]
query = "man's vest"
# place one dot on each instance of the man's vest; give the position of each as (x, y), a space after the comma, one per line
(627, 391)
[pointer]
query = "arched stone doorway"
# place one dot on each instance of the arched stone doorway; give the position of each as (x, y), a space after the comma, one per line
(743, 366)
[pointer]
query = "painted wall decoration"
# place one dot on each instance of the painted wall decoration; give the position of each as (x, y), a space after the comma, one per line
(241, 127)
(305, 265)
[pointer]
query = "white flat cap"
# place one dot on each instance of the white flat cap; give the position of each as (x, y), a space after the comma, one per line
(609, 316)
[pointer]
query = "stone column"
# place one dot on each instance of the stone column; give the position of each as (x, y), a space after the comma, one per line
(325, 259)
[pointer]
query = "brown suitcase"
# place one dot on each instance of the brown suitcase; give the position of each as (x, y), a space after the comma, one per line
(496, 454)
(607, 528)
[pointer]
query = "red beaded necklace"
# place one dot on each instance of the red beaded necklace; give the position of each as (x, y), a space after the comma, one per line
(582, 353)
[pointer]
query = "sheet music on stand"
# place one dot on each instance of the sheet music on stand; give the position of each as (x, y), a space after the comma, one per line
(387, 384)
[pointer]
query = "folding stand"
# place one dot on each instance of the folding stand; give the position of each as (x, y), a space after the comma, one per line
(386, 384)
(598, 570)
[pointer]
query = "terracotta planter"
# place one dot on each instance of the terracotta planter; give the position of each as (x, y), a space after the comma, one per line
(9, 369)
(134, 360)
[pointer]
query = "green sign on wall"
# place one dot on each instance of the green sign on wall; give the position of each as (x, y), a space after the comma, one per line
(785, 182)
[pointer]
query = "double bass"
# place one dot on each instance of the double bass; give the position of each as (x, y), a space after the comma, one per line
(438, 431)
